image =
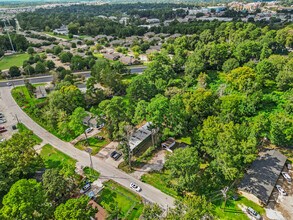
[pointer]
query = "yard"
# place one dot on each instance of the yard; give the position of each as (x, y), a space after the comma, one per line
(232, 211)
(54, 158)
(94, 143)
(13, 60)
(160, 180)
(129, 203)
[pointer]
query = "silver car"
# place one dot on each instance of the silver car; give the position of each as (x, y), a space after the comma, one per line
(281, 190)
(135, 187)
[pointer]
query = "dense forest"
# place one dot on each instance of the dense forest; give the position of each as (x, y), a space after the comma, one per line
(85, 20)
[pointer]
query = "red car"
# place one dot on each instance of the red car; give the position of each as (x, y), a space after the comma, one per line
(3, 130)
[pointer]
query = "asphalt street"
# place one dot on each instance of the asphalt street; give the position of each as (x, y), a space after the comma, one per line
(49, 78)
(107, 171)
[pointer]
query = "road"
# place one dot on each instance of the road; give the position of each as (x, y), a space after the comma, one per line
(107, 171)
(49, 78)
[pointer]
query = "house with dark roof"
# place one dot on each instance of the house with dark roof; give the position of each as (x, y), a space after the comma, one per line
(261, 177)
(140, 138)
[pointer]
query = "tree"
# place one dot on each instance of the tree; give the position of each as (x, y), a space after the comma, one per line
(242, 79)
(65, 57)
(75, 209)
(77, 63)
(30, 50)
(28, 70)
(230, 64)
(50, 64)
(281, 132)
(230, 146)
(57, 188)
(40, 67)
(14, 71)
(192, 207)
(70, 93)
(57, 50)
(25, 200)
(18, 159)
(184, 165)
(76, 121)
(141, 88)
(152, 212)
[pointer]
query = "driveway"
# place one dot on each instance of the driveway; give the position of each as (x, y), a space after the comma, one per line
(148, 192)
(104, 154)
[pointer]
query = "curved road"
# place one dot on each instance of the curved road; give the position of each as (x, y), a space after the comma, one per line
(107, 171)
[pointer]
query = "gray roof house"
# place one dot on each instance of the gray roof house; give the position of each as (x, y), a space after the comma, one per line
(141, 137)
(261, 178)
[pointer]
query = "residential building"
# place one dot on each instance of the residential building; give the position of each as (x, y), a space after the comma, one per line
(40, 92)
(140, 138)
(63, 30)
(261, 178)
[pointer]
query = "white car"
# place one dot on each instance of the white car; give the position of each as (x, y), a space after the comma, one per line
(281, 190)
(2, 140)
(287, 177)
(9, 84)
(135, 187)
(2, 121)
(89, 130)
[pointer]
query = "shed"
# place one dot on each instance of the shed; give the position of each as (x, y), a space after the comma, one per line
(261, 177)
(40, 92)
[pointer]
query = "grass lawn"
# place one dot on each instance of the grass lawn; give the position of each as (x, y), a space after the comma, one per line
(98, 55)
(94, 143)
(22, 128)
(13, 60)
(91, 174)
(186, 140)
(54, 158)
(160, 180)
(232, 211)
(128, 202)
(58, 35)
(126, 79)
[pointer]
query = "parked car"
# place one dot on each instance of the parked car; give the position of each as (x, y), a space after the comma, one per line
(135, 187)
(281, 190)
(2, 121)
(86, 187)
(2, 117)
(2, 140)
(287, 177)
(3, 130)
(89, 130)
(100, 126)
(115, 155)
(289, 166)
(253, 213)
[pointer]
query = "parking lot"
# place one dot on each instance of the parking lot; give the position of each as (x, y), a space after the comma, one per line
(10, 120)
(283, 204)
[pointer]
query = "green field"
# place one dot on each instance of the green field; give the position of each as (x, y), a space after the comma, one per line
(54, 158)
(58, 35)
(129, 203)
(13, 60)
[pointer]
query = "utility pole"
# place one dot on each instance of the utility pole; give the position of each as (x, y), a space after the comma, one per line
(8, 36)
(224, 192)
(89, 150)
(87, 141)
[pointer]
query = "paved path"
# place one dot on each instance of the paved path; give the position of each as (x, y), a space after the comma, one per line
(107, 171)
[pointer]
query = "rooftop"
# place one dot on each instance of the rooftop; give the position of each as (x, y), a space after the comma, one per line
(263, 174)
(140, 135)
